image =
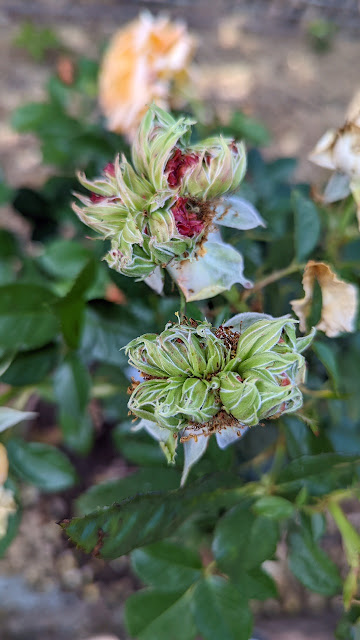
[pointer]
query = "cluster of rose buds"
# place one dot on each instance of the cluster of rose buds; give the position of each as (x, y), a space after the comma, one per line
(163, 209)
(199, 381)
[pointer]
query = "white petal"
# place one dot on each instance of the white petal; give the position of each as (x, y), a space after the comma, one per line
(193, 450)
(156, 280)
(346, 151)
(9, 417)
(337, 188)
(237, 213)
(323, 154)
(131, 372)
(208, 275)
(229, 435)
(158, 433)
(243, 321)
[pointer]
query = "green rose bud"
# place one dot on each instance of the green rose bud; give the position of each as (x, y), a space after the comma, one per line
(220, 168)
(158, 135)
(200, 381)
(240, 398)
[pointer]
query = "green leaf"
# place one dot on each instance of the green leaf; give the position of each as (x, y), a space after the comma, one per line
(41, 464)
(36, 40)
(144, 519)
(72, 384)
(142, 481)
(348, 627)
(6, 193)
(239, 542)
(38, 211)
(274, 507)
(321, 474)
(220, 611)
(30, 116)
(250, 129)
(138, 447)
(166, 566)
(10, 417)
(301, 441)
(6, 359)
(26, 321)
(310, 564)
(31, 367)
(65, 259)
(109, 327)
(70, 309)
(315, 524)
(150, 614)
(327, 356)
(256, 584)
(307, 226)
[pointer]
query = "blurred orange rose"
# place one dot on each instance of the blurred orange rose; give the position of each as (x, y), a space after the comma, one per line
(146, 62)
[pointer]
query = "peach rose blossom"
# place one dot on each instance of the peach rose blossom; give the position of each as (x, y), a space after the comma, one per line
(147, 61)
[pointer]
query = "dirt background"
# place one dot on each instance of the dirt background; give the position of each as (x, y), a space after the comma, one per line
(255, 56)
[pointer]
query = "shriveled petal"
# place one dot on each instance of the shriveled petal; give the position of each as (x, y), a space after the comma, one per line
(217, 270)
(323, 154)
(4, 464)
(339, 300)
(346, 150)
(337, 188)
(156, 280)
(194, 449)
(243, 321)
(229, 435)
(237, 213)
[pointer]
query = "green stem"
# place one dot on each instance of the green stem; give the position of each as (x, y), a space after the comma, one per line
(347, 215)
(182, 304)
(272, 277)
(233, 297)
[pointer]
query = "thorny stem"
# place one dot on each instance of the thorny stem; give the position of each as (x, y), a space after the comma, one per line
(273, 277)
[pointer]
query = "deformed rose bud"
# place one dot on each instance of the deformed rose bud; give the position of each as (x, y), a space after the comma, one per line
(199, 381)
(164, 209)
(220, 168)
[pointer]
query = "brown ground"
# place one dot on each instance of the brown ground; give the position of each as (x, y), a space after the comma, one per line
(256, 61)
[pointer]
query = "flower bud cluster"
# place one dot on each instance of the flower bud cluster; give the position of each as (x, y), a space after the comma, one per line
(160, 208)
(199, 380)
